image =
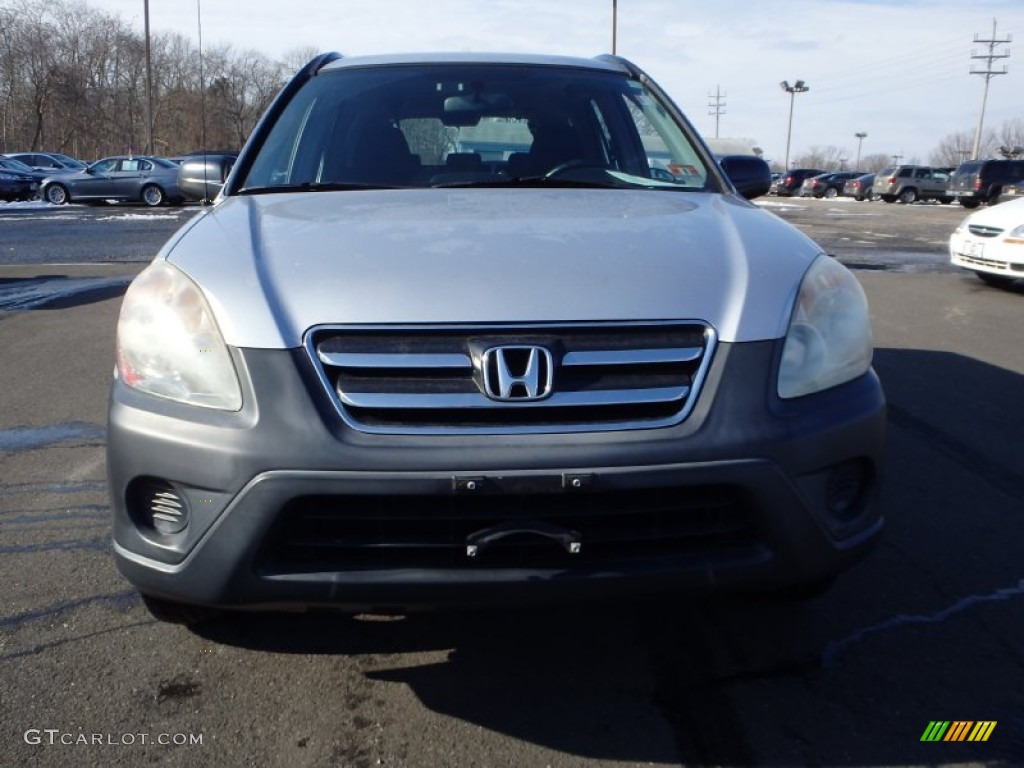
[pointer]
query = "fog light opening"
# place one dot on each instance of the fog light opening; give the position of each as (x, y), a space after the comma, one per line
(158, 505)
(845, 489)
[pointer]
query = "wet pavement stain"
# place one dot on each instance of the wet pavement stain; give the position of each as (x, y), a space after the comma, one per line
(97, 544)
(178, 688)
(31, 438)
(33, 293)
(80, 486)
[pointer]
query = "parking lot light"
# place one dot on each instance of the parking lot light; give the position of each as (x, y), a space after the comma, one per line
(798, 87)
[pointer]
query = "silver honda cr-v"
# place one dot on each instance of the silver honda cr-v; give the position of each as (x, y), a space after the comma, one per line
(468, 329)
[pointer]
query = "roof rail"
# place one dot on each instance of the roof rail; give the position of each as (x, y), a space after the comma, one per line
(623, 64)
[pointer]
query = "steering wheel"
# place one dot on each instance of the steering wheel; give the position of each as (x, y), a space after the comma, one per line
(569, 165)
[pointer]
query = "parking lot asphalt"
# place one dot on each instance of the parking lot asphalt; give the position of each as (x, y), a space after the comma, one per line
(927, 629)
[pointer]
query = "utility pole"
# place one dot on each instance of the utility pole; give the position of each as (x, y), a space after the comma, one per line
(988, 73)
(149, 88)
(716, 108)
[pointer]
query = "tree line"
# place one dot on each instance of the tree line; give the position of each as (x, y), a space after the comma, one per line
(73, 80)
(1005, 141)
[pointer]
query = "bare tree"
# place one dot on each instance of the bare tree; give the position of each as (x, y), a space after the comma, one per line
(874, 162)
(826, 158)
(72, 79)
(956, 147)
(296, 58)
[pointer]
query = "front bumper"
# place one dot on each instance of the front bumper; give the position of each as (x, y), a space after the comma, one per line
(287, 506)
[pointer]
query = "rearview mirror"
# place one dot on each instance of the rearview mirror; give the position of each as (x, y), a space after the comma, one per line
(467, 110)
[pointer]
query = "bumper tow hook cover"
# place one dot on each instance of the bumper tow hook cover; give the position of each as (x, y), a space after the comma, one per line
(477, 541)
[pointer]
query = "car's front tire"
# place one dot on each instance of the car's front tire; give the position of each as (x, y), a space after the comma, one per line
(57, 194)
(152, 195)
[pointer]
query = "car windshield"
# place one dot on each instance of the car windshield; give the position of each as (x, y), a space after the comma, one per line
(457, 125)
(70, 162)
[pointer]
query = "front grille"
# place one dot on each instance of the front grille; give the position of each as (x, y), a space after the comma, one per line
(991, 263)
(437, 380)
(616, 528)
(983, 231)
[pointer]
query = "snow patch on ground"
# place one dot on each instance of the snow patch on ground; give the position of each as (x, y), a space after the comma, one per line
(139, 217)
(23, 204)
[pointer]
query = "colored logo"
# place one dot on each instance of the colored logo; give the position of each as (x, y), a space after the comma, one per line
(958, 730)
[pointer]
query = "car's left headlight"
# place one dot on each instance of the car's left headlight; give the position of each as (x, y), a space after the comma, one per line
(829, 336)
(168, 343)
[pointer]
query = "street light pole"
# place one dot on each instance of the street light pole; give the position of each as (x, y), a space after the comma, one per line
(615, 22)
(861, 135)
(798, 87)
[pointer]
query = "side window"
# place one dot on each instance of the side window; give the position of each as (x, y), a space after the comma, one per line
(105, 166)
(906, 173)
(145, 165)
(921, 173)
(129, 165)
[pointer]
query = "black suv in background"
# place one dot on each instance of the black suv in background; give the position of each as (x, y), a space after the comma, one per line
(981, 181)
(791, 181)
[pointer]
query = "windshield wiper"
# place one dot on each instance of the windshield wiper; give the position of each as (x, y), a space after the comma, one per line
(332, 186)
(529, 181)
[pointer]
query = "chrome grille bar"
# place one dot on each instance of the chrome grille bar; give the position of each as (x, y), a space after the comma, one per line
(609, 397)
(434, 379)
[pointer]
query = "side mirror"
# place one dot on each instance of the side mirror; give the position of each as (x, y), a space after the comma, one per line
(750, 175)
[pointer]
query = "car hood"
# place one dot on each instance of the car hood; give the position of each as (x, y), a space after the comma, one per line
(1006, 215)
(272, 266)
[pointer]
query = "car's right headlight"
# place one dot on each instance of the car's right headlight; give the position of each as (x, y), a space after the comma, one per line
(168, 343)
(829, 336)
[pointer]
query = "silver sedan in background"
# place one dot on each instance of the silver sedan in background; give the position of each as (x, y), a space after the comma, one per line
(149, 180)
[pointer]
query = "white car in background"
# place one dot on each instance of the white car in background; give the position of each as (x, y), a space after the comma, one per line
(991, 243)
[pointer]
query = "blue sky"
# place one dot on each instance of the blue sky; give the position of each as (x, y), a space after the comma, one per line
(895, 69)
